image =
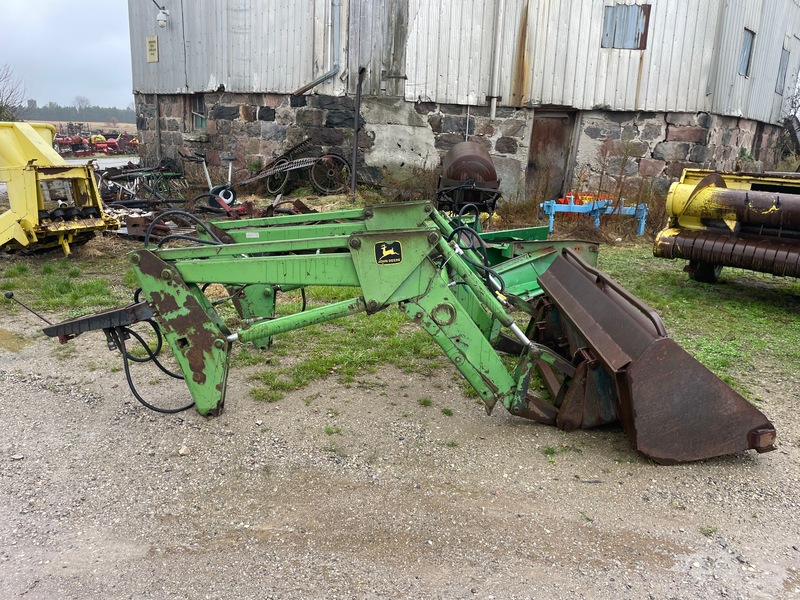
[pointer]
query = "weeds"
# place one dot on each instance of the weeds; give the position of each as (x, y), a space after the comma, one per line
(708, 530)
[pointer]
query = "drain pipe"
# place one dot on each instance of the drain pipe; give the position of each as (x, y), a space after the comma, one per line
(494, 79)
(356, 126)
(334, 51)
(158, 129)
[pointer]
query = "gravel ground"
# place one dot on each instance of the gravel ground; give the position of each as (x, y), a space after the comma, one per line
(359, 491)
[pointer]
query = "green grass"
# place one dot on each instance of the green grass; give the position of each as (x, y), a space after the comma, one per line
(708, 530)
(745, 323)
(65, 287)
(346, 348)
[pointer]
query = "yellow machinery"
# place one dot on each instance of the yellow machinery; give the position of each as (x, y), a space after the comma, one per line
(744, 220)
(50, 203)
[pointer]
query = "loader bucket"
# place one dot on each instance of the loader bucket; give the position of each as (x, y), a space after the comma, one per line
(672, 408)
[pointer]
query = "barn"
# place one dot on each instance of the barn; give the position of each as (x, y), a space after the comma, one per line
(561, 93)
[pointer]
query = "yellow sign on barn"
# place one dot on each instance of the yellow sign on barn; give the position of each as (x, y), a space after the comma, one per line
(152, 48)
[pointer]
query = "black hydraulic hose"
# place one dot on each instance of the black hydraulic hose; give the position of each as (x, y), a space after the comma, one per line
(488, 272)
(159, 343)
(151, 354)
(468, 207)
(118, 336)
(183, 214)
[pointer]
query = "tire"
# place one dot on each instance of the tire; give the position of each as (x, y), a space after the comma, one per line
(703, 272)
(330, 174)
(277, 181)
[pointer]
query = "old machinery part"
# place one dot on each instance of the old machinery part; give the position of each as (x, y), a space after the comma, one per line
(745, 220)
(468, 177)
(626, 370)
(52, 204)
(594, 209)
(603, 353)
(330, 174)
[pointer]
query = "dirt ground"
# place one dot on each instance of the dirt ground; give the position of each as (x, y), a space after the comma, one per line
(359, 491)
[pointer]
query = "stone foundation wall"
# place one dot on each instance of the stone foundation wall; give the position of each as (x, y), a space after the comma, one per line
(255, 128)
(660, 145)
(397, 135)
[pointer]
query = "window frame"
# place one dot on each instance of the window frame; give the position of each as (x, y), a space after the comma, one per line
(625, 26)
(198, 112)
(783, 67)
(747, 51)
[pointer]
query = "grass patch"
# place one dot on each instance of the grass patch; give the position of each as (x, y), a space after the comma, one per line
(66, 287)
(448, 412)
(426, 401)
(708, 530)
(346, 348)
(744, 324)
(332, 430)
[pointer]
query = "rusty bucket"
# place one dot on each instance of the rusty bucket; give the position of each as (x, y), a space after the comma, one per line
(627, 368)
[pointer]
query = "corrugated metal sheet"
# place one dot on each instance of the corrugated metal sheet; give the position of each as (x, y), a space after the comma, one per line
(449, 50)
(243, 45)
(776, 27)
(550, 51)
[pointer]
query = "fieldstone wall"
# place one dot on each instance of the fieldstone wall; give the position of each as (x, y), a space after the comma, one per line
(395, 134)
(660, 145)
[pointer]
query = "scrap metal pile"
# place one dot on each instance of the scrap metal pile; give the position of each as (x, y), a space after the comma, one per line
(604, 355)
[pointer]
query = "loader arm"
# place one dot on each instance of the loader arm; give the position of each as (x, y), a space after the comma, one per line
(602, 353)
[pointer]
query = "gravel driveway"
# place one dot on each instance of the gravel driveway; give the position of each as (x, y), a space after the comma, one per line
(360, 491)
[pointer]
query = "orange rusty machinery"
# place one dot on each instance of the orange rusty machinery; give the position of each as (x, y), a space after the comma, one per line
(745, 220)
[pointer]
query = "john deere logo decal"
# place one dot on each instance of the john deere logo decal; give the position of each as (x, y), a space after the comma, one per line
(388, 253)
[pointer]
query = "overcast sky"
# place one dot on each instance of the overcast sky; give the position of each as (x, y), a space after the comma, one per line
(67, 48)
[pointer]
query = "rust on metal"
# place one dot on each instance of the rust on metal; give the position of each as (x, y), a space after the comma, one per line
(749, 221)
(672, 408)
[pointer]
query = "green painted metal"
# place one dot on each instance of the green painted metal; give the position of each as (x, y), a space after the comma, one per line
(193, 329)
(262, 331)
(405, 254)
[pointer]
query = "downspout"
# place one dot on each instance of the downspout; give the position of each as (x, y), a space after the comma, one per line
(356, 126)
(334, 51)
(158, 129)
(494, 79)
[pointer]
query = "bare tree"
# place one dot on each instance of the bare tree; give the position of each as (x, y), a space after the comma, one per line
(82, 102)
(12, 93)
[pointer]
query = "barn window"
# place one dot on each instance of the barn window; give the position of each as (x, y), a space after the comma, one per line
(625, 26)
(782, 72)
(198, 111)
(746, 56)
